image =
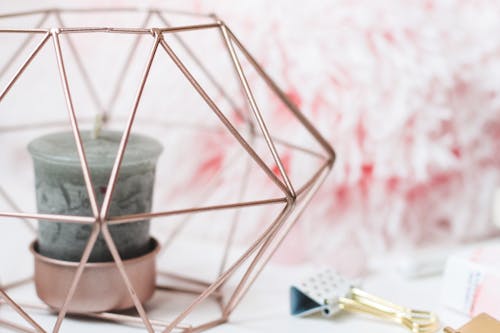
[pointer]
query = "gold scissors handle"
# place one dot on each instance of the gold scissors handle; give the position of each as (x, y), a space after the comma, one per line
(415, 320)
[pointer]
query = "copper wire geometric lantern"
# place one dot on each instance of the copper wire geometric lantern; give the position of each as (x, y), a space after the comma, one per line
(241, 122)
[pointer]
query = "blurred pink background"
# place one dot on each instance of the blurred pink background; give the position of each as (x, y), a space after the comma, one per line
(408, 94)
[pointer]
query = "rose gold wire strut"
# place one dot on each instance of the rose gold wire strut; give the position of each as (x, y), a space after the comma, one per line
(123, 143)
(74, 123)
(256, 111)
(119, 264)
(22, 47)
(204, 69)
(86, 30)
(224, 120)
(248, 118)
(291, 106)
(275, 228)
(221, 279)
(143, 31)
(15, 326)
(21, 312)
(24, 65)
(50, 217)
(24, 31)
(189, 27)
(142, 216)
(319, 180)
(76, 279)
(108, 316)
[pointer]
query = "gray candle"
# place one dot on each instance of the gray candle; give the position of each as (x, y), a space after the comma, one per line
(60, 189)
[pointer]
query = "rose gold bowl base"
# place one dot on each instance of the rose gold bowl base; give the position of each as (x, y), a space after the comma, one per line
(101, 287)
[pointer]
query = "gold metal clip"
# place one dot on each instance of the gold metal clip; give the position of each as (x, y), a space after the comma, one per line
(415, 320)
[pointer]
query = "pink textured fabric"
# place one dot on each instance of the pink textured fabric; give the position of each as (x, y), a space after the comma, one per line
(408, 94)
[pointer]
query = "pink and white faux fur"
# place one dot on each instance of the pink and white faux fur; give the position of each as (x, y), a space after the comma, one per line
(408, 93)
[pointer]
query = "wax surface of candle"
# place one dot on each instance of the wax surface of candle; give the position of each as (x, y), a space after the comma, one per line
(60, 189)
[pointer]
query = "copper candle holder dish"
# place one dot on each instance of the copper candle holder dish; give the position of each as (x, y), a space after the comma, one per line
(101, 286)
(83, 287)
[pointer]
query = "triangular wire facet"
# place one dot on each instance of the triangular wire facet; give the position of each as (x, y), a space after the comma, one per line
(17, 48)
(103, 96)
(292, 134)
(220, 81)
(150, 115)
(285, 99)
(237, 265)
(234, 132)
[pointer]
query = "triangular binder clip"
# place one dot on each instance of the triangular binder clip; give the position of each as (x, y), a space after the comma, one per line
(319, 293)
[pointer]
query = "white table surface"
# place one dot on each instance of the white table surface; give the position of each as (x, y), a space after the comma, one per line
(265, 309)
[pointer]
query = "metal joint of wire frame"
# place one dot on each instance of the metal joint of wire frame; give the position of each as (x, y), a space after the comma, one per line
(294, 201)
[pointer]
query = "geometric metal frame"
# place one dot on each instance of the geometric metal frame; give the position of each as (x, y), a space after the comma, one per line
(294, 201)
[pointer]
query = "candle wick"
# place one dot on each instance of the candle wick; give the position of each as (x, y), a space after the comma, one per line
(99, 119)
